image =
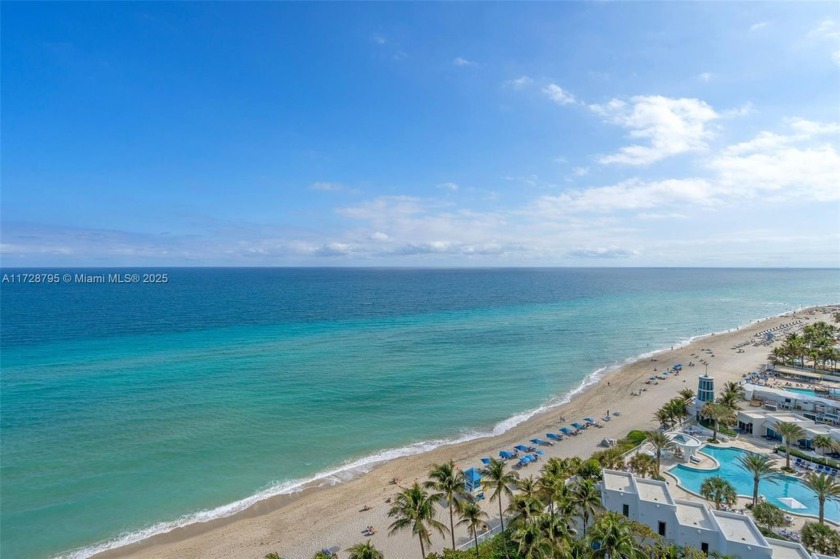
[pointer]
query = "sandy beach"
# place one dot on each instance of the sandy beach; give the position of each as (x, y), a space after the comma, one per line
(324, 517)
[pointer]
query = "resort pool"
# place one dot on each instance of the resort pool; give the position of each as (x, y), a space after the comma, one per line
(810, 391)
(785, 486)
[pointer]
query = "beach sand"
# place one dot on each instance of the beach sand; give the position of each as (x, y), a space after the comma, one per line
(298, 526)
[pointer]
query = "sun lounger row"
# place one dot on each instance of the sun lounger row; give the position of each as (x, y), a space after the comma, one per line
(817, 468)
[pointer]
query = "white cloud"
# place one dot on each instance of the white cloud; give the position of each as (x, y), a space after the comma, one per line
(379, 236)
(801, 165)
(632, 194)
(603, 252)
(448, 186)
(464, 62)
(706, 77)
(826, 29)
(759, 25)
(519, 83)
(379, 40)
(326, 186)
(580, 171)
(669, 126)
(558, 95)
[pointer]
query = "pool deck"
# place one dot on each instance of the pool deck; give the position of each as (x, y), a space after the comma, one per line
(707, 463)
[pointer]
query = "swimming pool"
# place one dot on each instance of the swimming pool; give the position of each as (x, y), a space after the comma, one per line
(786, 486)
(810, 391)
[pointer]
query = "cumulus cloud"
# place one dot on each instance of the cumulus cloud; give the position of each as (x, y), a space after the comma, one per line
(558, 95)
(448, 186)
(464, 62)
(668, 126)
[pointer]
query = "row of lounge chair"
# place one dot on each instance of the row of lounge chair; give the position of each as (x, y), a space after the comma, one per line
(817, 468)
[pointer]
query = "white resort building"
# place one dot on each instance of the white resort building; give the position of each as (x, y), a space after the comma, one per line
(690, 523)
(810, 405)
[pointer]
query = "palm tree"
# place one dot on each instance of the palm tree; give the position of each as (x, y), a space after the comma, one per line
(557, 531)
(473, 518)
(529, 487)
(642, 464)
(718, 414)
(615, 537)
(687, 394)
(823, 442)
(821, 538)
(718, 490)
(531, 542)
(451, 485)
(522, 508)
(660, 442)
(825, 487)
(364, 551)
(587, 499)
(414, 509)
(761, 467)
(496, 479)
(731, 393)
(789, 432)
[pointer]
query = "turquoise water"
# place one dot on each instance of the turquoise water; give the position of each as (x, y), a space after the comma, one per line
(785, 486)
(130, 409)
(811, 392)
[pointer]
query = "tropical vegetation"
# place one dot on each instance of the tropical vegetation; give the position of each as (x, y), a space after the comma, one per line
(821, 538)
(719, 491)
(815, 343)
(790, 432)
(825, 487)
(761, 467)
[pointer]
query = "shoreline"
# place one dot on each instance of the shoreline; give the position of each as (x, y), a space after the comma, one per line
(267, 523)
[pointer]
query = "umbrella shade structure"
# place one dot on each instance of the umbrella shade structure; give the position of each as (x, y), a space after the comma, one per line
(554, 436)
(486, 461)
(567, 431)
(472, 479)
(504, 454)
(677, 367)
(589, 420)
(540, 452)
(539, 441)
(578, 426)
(526, 460)
(522, 448)
(792, 503)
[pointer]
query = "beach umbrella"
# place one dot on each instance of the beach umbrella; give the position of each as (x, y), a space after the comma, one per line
(554, 436)
(578, 426)
(567, 431)
(538, 441)
(505, 454)
(589, 420)
(486, 461)
(540, 452)
(521, 448)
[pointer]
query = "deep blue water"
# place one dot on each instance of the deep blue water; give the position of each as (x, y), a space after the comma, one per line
(124, 406)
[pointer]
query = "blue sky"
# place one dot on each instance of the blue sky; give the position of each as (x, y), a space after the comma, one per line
(421, 134)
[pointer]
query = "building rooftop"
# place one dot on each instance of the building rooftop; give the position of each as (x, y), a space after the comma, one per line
(653, 491)
(739, 528)
(619, 481)
(694, 515)
(787, 550)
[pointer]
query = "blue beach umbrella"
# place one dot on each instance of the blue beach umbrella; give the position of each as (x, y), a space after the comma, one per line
(538, 441)
(578, 426)
(486, 461)
(540, 452)
(567, 431)
(521, 448)
(554, 436)
(505, 454)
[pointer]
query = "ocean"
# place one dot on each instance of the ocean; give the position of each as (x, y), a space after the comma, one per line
(127, 408)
